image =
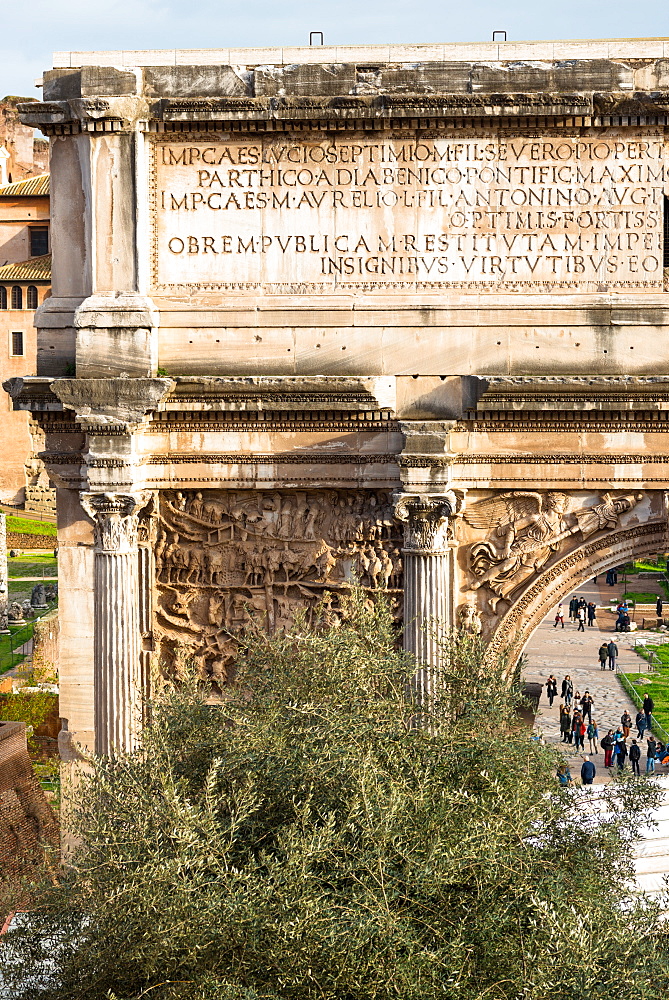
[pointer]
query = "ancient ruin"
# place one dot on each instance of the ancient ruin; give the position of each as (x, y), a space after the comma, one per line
(395, 313)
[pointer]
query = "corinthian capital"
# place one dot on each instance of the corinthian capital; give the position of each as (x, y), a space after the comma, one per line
(116, 517)
(425, 518)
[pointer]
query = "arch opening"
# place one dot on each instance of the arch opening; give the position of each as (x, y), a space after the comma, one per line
(569, 573)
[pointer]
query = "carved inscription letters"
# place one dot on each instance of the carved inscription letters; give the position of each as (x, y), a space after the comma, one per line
(274, 214)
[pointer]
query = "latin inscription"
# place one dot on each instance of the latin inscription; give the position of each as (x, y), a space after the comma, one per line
(558, 213)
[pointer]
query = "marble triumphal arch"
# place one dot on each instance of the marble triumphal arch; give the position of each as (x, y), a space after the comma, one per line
(393, 312)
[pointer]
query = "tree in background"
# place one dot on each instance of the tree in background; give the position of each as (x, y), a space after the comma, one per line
(309, 840)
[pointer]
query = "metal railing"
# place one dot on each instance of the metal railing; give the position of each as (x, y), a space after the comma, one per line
(21, 637)
(638, 701)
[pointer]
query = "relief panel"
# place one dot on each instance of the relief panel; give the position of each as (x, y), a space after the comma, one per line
(226, 556)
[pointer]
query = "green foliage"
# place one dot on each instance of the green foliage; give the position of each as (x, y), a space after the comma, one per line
(639, 597)
(8, 643)
(308, 840)
(31, 707)
(33, 565)
(657, 681)
(26, 526)
(646, 565)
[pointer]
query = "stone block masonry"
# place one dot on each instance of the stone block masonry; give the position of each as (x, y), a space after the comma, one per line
(395, 314)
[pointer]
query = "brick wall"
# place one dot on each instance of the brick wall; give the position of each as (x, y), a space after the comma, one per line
(27, 821)
(45, 643)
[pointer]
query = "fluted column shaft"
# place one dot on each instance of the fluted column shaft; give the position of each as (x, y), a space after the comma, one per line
(426, 581)
(117, 675)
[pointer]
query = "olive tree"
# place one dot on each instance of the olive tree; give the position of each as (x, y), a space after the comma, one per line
(321, 836)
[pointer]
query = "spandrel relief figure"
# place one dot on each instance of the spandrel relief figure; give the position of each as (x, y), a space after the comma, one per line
(526, 529)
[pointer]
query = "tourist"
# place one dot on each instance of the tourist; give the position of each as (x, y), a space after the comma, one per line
(565, 723)
(551, 690)
(559, 616)
(586, 703)
(588, 771)
(621, 753)
(573, 607)
(592, 613)
(578, 730)
(567, 690)
(564, 777)
(612, 650)
(580, 614)
(626, 723)
(640, 723)
(635, 755)
(648, 707)
(577, 701)
(607, 747)
(603, 655)
(593, 736)
(650, 756)
(658, 607)
(623, 620)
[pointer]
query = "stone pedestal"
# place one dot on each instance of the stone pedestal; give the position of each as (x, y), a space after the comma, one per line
(117, 681)
(426, 579)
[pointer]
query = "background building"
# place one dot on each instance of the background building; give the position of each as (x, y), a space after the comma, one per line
(21, 154)
(25, 280)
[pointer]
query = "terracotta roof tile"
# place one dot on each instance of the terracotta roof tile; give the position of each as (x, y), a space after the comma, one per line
(30, 186)
(35, 269)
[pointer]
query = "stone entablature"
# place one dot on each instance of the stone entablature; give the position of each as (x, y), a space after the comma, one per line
(396, 203)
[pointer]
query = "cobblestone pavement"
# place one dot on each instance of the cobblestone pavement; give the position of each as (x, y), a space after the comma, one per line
(567, 651)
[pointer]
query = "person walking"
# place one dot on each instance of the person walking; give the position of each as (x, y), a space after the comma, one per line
(588, 771)
(651, 754)
(640, 723)
(565, 723)
(592, 613)
(559, 616)
(567, 691)
(648, 707)
(586, 703)
(578, 729)
(573, 605)
(607, 747)
(580, 615)
(612, 650)
(635, 756)
(593, 736)
(551, 690)
(603, 655)
(658, 607)
(626, 723)
(621, 753)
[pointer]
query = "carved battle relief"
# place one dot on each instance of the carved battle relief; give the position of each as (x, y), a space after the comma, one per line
(226, 556)
(525, 530)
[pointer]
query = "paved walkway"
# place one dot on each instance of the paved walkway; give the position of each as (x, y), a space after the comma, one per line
(567, 651)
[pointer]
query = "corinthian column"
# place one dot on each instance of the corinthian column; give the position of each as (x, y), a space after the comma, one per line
(117, 688)
(426, 578)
